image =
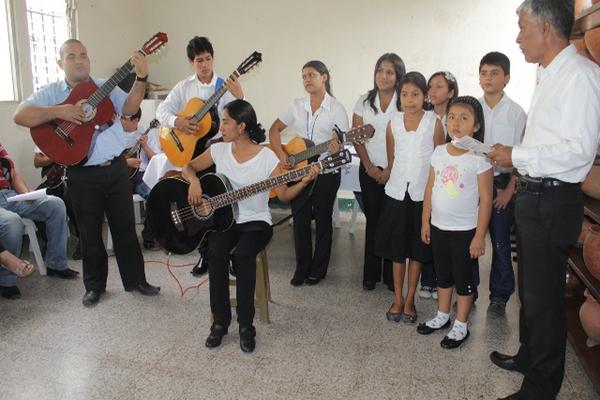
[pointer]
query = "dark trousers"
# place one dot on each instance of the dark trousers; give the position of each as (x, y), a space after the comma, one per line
(93, 192)
(502, 276)
(428, 277)
(547, 225)
(373, 194)
(60, 191)
(320, 206)
(248, 239)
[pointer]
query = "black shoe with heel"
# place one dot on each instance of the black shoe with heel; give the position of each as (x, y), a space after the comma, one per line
(247, 338)
(215, 336)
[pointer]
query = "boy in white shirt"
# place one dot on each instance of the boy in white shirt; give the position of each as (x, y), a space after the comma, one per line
(505, 123)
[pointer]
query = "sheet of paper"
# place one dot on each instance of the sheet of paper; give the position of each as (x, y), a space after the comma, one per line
(36, 194)
(474, 145)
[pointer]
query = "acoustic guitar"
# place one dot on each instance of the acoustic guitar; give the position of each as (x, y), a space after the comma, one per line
(134, 152)
(180, 227)
(301, 151)
(68, 143)
(55, 176)
(180, 146)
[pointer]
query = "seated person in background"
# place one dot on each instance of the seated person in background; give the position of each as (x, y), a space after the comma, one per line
(137, 160)
(14, 264)
(50, 210)
(51, 172)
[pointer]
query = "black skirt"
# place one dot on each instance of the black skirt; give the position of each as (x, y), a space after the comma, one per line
(398, 234)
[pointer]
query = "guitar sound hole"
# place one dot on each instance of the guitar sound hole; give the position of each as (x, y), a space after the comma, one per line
(203, 211)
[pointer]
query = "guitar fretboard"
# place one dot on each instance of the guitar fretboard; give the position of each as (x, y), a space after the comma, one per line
(110, 84)
(311, 152)
(234, 196)
(212, 100)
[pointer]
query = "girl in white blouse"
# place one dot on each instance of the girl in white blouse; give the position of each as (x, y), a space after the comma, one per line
(411, 137)
(243, 161)
(314, 118)
(377, 107)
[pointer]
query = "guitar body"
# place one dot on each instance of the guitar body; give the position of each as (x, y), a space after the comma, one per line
(180, 147)
(74, 148)
(132, 171)
(171, 194)
(55, 176)
(296, 145)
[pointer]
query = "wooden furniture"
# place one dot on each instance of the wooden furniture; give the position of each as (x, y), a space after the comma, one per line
(589, 356)
(263, 287)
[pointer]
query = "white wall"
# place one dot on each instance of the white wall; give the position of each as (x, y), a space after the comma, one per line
(348, 36)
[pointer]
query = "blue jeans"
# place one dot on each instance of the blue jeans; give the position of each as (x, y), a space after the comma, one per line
(11, 238)
(50, 211)
(502, 275)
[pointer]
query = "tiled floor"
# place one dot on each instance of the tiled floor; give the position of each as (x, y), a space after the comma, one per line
(330, 341)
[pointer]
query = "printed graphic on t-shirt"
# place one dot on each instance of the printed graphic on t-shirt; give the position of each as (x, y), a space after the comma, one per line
(449, 177)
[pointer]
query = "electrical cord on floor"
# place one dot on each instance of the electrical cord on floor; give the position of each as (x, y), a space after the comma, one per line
(169, 267)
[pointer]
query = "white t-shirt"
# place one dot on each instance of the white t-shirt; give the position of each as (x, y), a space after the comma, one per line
(412, 156)
(258, 168)
(455, 193)
(503, 124)
(375, 146)
(317, 126)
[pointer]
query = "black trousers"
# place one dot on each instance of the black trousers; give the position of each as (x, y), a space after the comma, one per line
(373, 194)
(547, 225)
(320, 206)
(60, 191)
(93, 192)
(248, 239)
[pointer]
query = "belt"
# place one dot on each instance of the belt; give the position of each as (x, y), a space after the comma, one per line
(104, 164)
(539, 185)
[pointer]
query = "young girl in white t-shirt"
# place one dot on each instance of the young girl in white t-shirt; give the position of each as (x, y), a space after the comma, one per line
(456, 212)
(442, 87)
(243, 161)
(411, 136)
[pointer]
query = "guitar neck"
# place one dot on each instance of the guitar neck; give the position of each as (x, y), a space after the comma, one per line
(234, 196)
(212, 100)
(135, 149)
(110, 84)
(311, 152)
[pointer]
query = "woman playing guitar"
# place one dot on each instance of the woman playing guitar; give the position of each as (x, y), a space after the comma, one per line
(243, 161)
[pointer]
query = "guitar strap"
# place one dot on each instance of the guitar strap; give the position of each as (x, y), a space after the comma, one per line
(219, 83)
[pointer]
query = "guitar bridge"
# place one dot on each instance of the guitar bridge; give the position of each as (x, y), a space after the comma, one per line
(63, 135)
(176, 140)
(176, 218)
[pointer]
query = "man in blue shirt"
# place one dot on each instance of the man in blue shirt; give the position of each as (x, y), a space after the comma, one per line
(101, 185)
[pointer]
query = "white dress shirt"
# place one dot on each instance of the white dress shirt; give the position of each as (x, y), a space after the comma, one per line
(563, 125)
(376, 147)
(183, 92)
(317, 126)
(503, 124)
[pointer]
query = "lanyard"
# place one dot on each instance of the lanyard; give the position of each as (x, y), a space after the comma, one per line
(312, 130)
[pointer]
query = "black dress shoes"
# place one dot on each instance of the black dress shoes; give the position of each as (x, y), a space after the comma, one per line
(201, 268)
(215, 336)
(144, 288)
(62, 273)
(425, 329)
(10, 292)
(247, 338)
(368, 285)
(311, 280)
(91, 297)
(448, 343)
(506, 362)
(297, 281)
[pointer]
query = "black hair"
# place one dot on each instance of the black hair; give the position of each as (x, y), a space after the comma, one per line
(418, 80)
(321, 68)
(475, 106)
(559, 13)
(400, 70)
(198, 45)
(137, 115)
(450, 81)
(242, 111)
(498, 59)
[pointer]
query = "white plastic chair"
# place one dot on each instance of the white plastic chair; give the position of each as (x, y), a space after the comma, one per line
(34, 246)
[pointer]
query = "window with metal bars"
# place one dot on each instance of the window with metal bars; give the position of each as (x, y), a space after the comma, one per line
(48, 29)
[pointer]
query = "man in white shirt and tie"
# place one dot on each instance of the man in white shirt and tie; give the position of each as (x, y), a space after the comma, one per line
(558, 149)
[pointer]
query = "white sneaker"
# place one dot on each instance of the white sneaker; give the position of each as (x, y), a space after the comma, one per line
(425, 292)
(434, 294)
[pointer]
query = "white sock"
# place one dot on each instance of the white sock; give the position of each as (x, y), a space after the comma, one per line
(439, 320)
(459, 330)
